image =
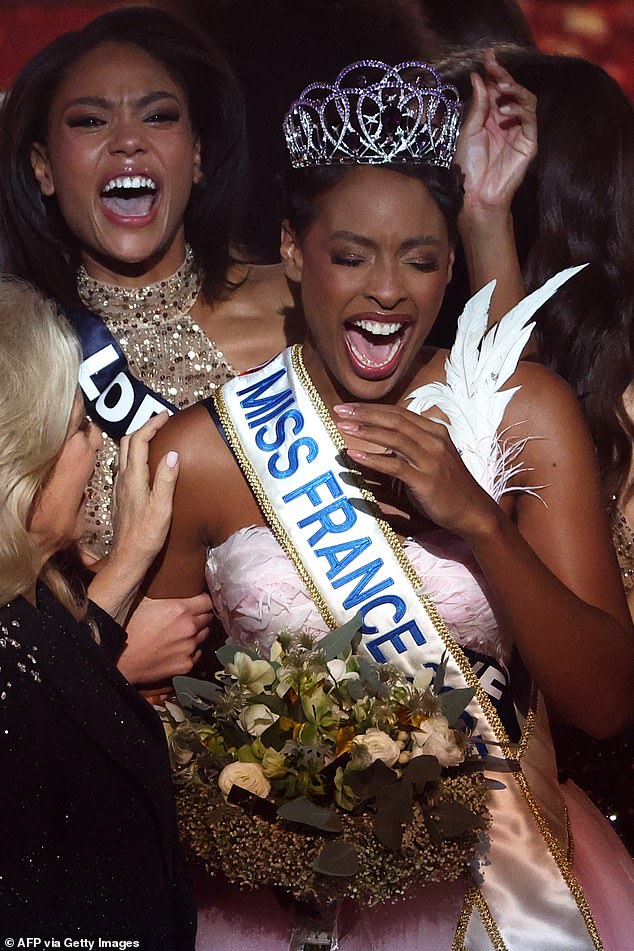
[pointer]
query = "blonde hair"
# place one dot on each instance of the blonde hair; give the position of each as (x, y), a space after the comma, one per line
(39, 366)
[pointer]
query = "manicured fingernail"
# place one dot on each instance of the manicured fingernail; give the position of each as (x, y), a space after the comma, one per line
(347, 426)
(358, 455)
(505, 108)
(171, 459)
(344, 409)
(504, 85)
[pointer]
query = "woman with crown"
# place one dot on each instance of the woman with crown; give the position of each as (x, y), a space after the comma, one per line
(357, 471)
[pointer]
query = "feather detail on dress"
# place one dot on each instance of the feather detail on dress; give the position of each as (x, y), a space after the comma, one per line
(480, 363)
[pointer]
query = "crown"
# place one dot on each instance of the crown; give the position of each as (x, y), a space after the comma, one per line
(375, 114)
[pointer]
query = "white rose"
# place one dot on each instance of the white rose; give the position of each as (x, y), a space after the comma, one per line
(338, 671)
(435, 738)
(379, 745)
(256, 718)
(249, 776)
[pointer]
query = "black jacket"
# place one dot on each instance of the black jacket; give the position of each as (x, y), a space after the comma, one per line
(88, 842)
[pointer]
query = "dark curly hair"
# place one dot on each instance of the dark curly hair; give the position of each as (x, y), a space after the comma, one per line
(37, 244)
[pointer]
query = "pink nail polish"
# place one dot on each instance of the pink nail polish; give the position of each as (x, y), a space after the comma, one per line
(171, 459)
(347, 426)
(344, 409)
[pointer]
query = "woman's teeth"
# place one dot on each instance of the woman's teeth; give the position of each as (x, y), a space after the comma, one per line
(374, 327)
(385, 358)
(130, 181)
(369, 344)
(130, 196)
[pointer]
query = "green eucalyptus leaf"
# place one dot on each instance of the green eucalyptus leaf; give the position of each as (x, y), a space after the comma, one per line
(388, 831)
(274, 736)
(366, 782)
(228, 651)
(456, 819)
(356, 689)
(340, 641)
(271, 701)
(422, 770)
(304, 812)
(233, 736)
(337, 858)
(453, 703)
(395, 801)
(439, 676)
(433, 827)
(494, 784)
(195, 695)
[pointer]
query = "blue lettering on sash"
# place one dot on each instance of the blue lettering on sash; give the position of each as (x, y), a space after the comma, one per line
(263, 406)
(394, 637)
(350, 550)
(277, 407)
(280, 433)
(399, 611)
(327, 524)
(326, 478)
(359, 593)
(293, 457)
(334, 513)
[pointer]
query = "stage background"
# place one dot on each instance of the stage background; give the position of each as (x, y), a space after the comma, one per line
(601, 31)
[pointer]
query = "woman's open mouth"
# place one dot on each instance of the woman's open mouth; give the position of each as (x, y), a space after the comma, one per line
(129, 197)
(375, 345)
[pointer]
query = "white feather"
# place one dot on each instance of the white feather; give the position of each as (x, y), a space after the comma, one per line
(479, 364)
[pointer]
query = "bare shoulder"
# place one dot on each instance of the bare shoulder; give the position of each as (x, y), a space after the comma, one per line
(206, 466)
(543, 399)
(559, 452)
(189, 433)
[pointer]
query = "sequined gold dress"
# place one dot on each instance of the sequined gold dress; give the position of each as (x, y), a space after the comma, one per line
(165, 349)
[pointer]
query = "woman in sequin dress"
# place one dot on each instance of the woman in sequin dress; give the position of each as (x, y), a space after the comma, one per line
(87, 824)
(121, 154)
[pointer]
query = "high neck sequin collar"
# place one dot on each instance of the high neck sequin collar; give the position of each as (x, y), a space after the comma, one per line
(169, 298)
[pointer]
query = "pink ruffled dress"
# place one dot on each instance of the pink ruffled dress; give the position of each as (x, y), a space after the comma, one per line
(257, 593)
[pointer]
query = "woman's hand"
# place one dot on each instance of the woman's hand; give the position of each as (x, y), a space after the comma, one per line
(498, 139)
(164, 638)
(418, 451)
(142, 512)
(497, 143)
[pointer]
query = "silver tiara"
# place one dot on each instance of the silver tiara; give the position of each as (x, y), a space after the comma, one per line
(375, 114)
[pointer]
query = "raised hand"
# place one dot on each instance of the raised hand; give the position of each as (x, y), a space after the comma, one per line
(498, 138)
(418, 451)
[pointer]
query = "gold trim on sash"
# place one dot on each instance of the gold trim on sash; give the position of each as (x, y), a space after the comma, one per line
(513, 753)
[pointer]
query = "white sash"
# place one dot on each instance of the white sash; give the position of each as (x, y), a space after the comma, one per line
(331, 528)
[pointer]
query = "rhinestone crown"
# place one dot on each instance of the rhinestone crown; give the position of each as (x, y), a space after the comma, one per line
(375, 114)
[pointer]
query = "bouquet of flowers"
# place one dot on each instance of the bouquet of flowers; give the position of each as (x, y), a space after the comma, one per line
(323, 773)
